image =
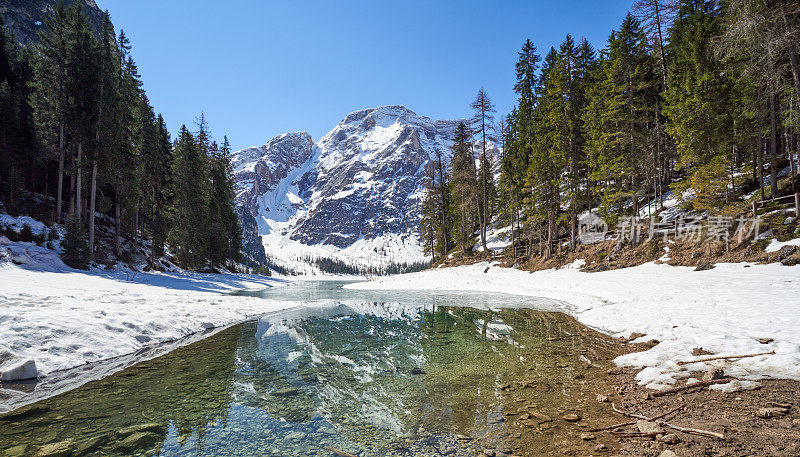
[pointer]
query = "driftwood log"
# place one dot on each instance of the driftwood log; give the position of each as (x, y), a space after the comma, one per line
(691, 431)
(724, 357)
(672, 390)
(625, 424)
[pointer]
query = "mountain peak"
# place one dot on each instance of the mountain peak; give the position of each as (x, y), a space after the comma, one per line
(356, 191)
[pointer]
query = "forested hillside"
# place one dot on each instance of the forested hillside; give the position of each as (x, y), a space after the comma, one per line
(80, 144)
(693, 102)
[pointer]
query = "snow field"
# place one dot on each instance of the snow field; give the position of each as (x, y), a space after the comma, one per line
(56, 320)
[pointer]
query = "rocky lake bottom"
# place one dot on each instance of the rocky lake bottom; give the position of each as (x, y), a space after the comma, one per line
(367, 376)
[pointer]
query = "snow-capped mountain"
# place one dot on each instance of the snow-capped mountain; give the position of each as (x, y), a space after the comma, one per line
(352, 197)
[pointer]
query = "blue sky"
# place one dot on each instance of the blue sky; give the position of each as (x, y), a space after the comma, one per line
(260, 68)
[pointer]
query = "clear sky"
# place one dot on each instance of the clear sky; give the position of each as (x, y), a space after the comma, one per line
(259, 68)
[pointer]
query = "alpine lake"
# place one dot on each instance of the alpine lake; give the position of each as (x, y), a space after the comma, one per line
(349, 374)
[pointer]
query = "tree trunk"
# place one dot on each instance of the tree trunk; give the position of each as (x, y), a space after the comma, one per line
(92, 200)
(78, 182)
(60, 190)
(788, 153)
(117, 226)
(794, 54)
(773, 162)
(762, 151)
(484, 178)
(72, 193)
(661, 44)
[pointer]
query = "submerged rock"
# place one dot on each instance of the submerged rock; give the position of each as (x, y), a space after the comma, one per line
(59, 449)
(137, 441)
(150, 427)
(17, 451)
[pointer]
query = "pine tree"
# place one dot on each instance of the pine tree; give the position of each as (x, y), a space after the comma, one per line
(464, 179)
(161, 167)
(656, 17)
(482, 125)
(16, 129)
(618, 126)
(437, 221)
(75, 247)
(189, 235)
(50, 100)
(127, 162)
(107, 126)
(82, 88)
(699, 100)
(226, 239)
(549, 151)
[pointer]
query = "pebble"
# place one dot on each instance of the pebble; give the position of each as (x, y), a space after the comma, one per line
(587, 436)
(571, 417)
(602, 398)
(714, 373)
(648, 427)
(542, 417)
(669, 438)
(601, 447)
(768, 413)
(667, 453)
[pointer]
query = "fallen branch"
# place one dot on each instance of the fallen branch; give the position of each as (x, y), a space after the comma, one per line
(672, 390)
(691, 431)
(723, 357)
(611, 427)
(339, 453)
(625, 424)
(634, 435)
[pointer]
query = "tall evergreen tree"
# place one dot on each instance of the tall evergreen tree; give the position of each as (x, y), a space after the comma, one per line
(618, 126)
(464, 178)
(699, 97)
(189, 235)
(482, 125)
(50, 99)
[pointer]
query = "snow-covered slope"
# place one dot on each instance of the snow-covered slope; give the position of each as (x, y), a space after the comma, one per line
(352, 197)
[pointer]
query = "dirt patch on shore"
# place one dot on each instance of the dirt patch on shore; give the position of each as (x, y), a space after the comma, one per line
(761, 422)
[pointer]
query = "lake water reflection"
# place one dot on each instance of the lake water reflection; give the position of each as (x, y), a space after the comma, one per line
(370, 375)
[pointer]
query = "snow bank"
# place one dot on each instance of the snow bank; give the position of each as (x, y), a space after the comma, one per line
(17, 223)
(725, 310)
(59, 318)
(775, 245)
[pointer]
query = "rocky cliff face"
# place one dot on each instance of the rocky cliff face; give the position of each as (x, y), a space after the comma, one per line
(25, 17)
(353, 196)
